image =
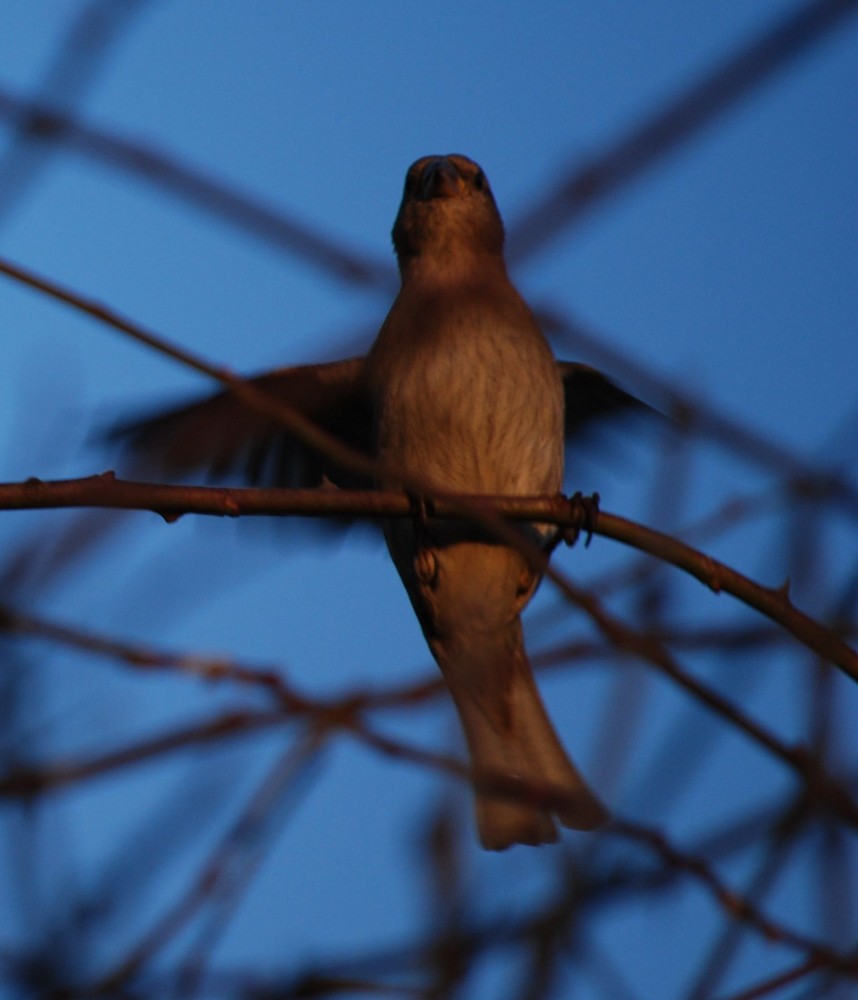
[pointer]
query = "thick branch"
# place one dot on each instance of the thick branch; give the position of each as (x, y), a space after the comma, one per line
(171, 502)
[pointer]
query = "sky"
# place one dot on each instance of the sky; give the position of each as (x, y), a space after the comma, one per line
(727, 269)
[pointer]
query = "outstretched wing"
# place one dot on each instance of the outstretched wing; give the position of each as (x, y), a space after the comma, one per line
(220, 436)
(592, 399)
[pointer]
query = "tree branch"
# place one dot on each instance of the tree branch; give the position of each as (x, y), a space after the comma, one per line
(172, 502)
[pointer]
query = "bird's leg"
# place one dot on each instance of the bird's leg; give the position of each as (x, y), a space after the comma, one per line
(425, 563)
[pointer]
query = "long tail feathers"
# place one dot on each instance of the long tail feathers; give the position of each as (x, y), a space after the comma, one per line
(522, 776)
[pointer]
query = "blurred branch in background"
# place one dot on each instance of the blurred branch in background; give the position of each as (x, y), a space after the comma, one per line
(173, 502)
(255, 746)
(40, 120)
(72, 74)
(699, 106)
(52, 129)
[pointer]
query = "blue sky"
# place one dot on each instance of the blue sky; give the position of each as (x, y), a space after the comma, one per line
(728, 269)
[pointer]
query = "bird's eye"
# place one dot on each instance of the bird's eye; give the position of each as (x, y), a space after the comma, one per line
(479, 180)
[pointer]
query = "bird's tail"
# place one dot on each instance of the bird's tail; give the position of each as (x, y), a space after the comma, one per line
(523, 777)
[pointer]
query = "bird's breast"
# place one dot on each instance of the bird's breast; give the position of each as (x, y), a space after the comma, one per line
(468, 398)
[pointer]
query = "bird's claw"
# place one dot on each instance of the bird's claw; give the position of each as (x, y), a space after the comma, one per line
(425, 561)
(421, 509)
(587, 511)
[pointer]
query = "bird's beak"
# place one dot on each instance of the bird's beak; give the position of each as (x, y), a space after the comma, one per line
(440, 179)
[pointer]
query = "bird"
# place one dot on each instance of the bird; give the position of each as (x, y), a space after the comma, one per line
(460, 393)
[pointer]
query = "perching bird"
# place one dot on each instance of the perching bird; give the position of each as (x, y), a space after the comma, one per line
(461, 393)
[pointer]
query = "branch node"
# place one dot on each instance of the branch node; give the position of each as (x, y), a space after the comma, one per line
(713, 576)
(231, 507)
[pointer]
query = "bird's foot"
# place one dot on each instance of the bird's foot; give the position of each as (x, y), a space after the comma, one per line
(425, 560)
(587, 512)
(421, 510)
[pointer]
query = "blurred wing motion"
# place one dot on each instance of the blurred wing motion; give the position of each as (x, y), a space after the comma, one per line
(591, 399)
(221, 436)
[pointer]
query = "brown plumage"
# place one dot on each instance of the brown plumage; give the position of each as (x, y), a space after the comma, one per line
(468, 398)
(459, 392)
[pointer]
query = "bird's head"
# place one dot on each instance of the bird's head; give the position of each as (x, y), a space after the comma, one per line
(447, 211)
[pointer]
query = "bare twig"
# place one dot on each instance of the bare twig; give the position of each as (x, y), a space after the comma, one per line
(217, 876)
(51, 124)
(308, 432)
(773, 983)
(696, 107)
(736, 905)
(173, 501)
